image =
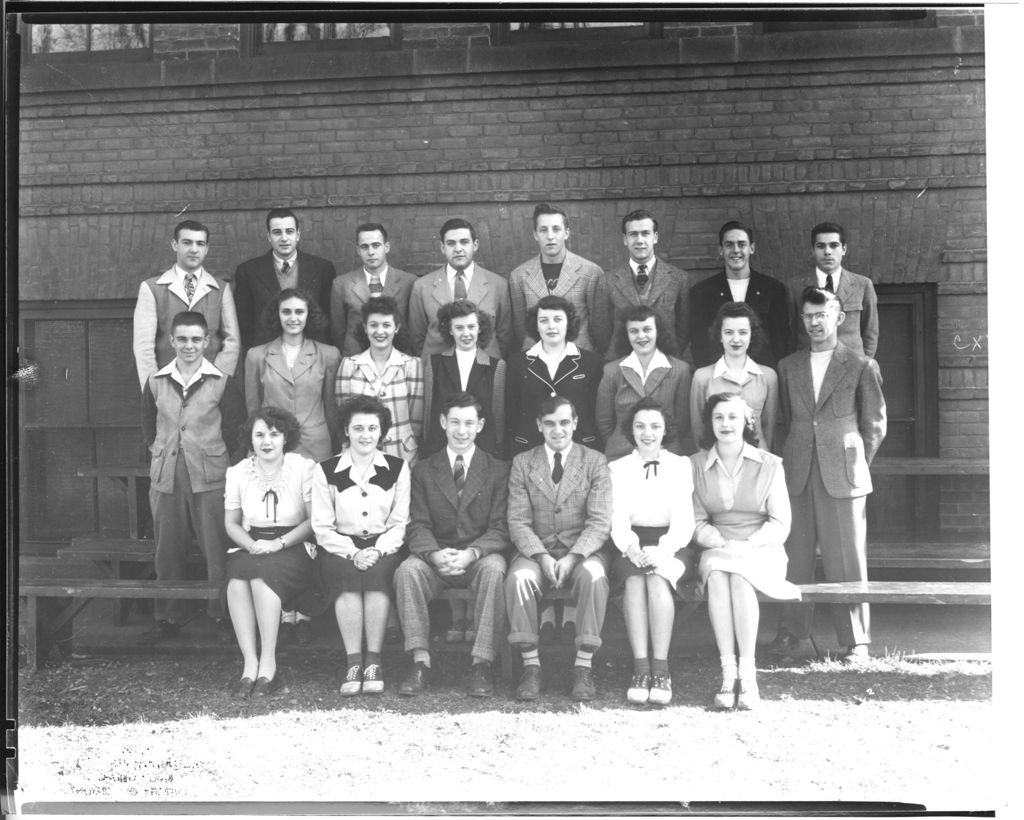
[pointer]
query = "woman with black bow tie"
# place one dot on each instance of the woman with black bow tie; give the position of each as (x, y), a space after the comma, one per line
(652, 524)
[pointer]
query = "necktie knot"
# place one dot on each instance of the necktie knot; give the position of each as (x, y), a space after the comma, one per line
(376, 288)
(556, 472)
(460, 285)
(190, 285)
(642, 277)
(830, 284)
(285, 267)
(649, 465)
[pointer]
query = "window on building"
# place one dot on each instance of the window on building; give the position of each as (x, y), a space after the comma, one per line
(78, 38)
(288, 36)
(846, 19)
(543, 30)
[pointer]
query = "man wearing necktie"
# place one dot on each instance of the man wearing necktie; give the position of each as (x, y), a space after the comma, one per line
(259, 280)
(376, 277)
(185, 286)
(645, 279)
(856, 293)
(461, 278)
(458, 534)
(559, 518)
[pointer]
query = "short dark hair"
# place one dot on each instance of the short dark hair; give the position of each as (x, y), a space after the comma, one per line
(368, 227)
(271, 322)
(275, 418)
(707, 440)
(552, 403)
(647, 403)
(666, 341)
(456, 310)
(363, 404)
(733, 225)
(549, 302)
(817, 296)
(281, 213)
(463, 399)
(382, 306)
(455, 224)
(189, 318)
(736, 310)
(828, 227)
(191, 225)
(636, 216)
(544, 210)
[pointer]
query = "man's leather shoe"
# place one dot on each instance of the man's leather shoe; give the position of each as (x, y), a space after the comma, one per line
(529, 684)
(481, 684)
(265, 687)
(583, 683)
(416, 681)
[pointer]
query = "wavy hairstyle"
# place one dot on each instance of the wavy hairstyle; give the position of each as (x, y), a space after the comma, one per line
(459, 309)
(708, 438)
(270, 321)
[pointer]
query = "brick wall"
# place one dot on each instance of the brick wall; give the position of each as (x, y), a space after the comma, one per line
(880, 130)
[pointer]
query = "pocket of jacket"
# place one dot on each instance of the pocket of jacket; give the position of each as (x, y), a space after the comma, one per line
(215, 462)
(857, 472)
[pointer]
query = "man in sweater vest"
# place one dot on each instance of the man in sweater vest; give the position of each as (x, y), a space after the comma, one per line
(185, 286)
(191, 412)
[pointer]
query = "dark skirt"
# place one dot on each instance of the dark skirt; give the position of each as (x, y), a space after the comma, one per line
(288, 572)
(622, 568)
(338, 575)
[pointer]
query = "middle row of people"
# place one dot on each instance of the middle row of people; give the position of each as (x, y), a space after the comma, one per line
(308, 378)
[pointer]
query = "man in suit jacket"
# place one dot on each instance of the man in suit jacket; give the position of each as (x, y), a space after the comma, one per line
(557, 271)
(559, 518)
(375, 278)
(186, 286)
(461, 278)
(644, 280)
(833, 412)
(767, 297)
(259, 280)
(457, 535)
(856, 293)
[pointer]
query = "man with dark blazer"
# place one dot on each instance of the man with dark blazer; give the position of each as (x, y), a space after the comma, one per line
(833, 414)
(557, 271)
(457, 535)
(460, 278)
(376, 277)
(768, 298)
(559, 518)
(645, 279)
(856, 293)
(259, 280)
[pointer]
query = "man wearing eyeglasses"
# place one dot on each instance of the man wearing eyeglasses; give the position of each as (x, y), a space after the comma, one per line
(833, 415)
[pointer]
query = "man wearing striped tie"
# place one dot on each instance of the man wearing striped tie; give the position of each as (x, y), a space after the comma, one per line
(457, 535)
(376, 277)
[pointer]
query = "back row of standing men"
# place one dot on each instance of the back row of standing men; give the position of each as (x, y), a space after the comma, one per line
(233, 313)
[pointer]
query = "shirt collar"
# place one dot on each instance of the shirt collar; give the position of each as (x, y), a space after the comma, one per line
(565, 454)
(466, 457)
(278, 261)
(634, 265)
(571, 349)
(383, 273)
(748, 451)
(450, 272)
(345, 462)
(180, 274)
(632, 361)
(721, 368)
(206, 368)
(822, 277)
(397, 357)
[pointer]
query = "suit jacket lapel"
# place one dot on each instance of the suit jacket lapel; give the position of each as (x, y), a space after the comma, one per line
(654, 378)
(441, 292)
(660, 279)
(624, 284)
(833, 375)
(805, 385)
(534, 279)
(268, 274)
(633, 379)
(568, 277)
(478, 287)
(276, 361)
(572, 471)
(306, 359)
(566, 367)
(541, 474)
(474, 477)
(445, 479)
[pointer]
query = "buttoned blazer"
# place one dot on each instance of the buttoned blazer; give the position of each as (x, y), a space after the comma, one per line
(307, 391)
(844, 428)
(256, 283)
(349, 293)
(580, 282)
(859, 330)
(487, 290)
(528, 383)
(768, 298)
(669, 297)
(486, 383)
(574, 515)
(440, 517)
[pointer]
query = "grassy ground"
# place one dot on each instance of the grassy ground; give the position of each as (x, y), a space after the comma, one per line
(144, 728)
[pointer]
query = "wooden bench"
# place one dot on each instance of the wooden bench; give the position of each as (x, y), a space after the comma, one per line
(48, 623)
(929, 555)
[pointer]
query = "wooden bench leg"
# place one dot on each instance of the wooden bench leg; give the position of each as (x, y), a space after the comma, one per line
(32, 629)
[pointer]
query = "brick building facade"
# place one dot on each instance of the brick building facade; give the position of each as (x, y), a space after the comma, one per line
(881, 129)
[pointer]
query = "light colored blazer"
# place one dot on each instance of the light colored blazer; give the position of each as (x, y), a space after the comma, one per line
(349, 293)
(581, 283)
(669, 296)
(844, 428)
(488, 291)
(307, 391)
(574, 515)
(441, 518)
(856, 293)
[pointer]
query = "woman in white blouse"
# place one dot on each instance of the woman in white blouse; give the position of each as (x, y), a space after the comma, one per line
(652, 524)
(742, 510)
(266, 516)
(360, 511)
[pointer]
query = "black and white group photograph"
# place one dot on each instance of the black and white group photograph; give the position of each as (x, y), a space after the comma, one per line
(507, 409)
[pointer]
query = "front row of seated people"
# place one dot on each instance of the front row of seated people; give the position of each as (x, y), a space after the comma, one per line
(351, 531)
